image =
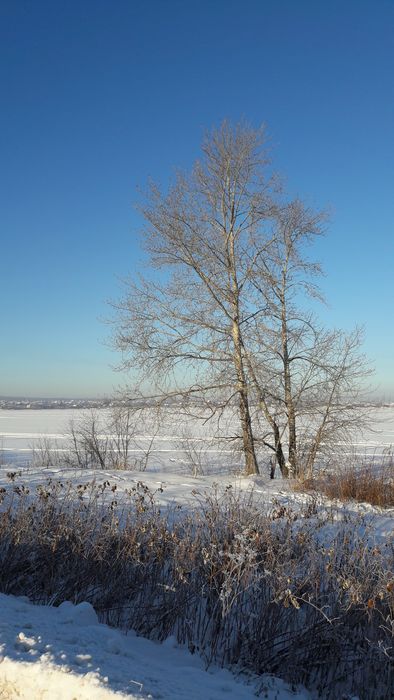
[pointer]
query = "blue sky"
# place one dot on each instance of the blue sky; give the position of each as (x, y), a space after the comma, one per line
(97, 96)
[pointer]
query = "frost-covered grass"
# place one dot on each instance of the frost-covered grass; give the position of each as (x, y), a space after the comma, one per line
(243, 572)
(297, 593)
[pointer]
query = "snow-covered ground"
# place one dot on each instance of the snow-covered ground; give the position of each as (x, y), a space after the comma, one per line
(173, 489)
(20, 431)
(64, 652)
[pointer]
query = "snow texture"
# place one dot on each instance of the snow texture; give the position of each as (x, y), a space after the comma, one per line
(64, 653)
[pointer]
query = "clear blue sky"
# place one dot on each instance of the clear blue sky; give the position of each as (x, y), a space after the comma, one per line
(96, 96)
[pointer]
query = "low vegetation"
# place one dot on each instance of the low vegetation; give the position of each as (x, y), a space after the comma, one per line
(97, 440)
(295, 594)
(372, 482)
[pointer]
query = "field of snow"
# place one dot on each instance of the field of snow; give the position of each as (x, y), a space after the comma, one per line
(168, 466)
(64, 653)
(20, 431)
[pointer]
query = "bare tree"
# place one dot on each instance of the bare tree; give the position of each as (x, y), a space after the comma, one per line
(225, 316)
(89, 445)
(207, 233)
(309, 381)
(111, 439)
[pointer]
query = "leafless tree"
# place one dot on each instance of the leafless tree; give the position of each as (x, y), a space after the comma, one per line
(309, 381)
(89, 445)
(186, 328)
(224, 317)
(45, 452)
(116, 438)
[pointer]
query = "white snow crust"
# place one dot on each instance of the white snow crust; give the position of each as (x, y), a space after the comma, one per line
(64, 653)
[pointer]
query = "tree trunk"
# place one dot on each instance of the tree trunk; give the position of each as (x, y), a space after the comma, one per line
(251, 465)
(280, 458)
(291, 417)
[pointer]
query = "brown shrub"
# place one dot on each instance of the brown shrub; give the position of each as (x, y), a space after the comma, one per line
(371, 483)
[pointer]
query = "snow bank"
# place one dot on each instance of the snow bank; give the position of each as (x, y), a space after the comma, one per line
(64, 653)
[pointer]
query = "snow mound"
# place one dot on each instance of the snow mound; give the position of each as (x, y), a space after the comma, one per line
(81, 614)
(64, 653)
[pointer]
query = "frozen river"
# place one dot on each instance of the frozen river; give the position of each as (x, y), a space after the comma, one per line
(21, 430)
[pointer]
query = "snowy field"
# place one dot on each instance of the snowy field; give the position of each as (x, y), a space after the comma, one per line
(20, 431)
(65, 653)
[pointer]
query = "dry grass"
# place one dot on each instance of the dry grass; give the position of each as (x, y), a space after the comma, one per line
(260, 591)
(371, 483)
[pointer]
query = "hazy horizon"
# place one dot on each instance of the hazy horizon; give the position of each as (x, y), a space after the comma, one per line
(375, 397)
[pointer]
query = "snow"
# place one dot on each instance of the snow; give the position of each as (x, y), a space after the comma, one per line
(64, 653)
(20, 429)
(176, 493)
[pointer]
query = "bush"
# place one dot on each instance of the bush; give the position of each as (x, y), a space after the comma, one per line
(371, 483)
(99, 440)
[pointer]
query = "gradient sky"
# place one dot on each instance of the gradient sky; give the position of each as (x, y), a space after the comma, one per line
(97, 96)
